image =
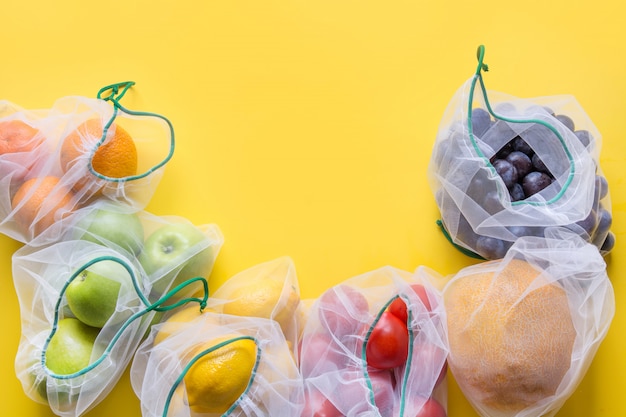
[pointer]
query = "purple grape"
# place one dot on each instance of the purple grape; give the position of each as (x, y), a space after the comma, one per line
(507, 172)
(538, 165)
(520, 145)
(481, 121)
(602, 187)
(584, 137)
(504, 151)
(521, 162)
(490, 247)
(566, 120)
(517, 192)
(534, 182)
(588, 224)
(491, 203)
(604, 221)
(609, 243)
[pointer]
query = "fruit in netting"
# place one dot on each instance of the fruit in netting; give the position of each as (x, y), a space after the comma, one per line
(71, 346)
(17, 136)
(115, 157)
(341, 309)
(388, 343)
(511, 334)
(39, 202)
(218, 378)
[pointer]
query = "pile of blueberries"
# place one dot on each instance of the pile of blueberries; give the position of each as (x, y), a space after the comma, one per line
(525, 174)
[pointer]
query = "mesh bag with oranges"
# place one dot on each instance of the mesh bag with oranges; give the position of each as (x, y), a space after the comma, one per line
(203, 363)
(524, 329)
(375, 345)
(88, 300)
(79, 151)
(503, 167)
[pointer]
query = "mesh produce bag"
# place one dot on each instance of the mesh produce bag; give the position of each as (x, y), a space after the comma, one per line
(504, 167)
(524, 329)
(58, 160)
(268, 290)
(180, 374)
(87, 303)
(375, 345)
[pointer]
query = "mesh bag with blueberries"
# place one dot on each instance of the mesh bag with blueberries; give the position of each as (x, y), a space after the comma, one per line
(504, 167)
(375, 345)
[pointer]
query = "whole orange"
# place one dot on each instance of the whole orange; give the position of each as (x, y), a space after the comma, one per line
(41, 201)
(115, 157)
(17, 136)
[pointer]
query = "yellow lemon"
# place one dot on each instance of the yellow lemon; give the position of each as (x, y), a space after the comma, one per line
(180, 319)
(220, 377)
(264, 298)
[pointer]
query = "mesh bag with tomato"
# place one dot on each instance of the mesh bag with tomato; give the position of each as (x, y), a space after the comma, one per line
(375, 345)
(203, 363)
(81, 150)
(503, 167)
(87, 301)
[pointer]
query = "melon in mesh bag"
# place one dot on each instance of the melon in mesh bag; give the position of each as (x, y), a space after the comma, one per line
(523, 330)
(504, 167)
(375, 345)
(213, 364)
(78, 151)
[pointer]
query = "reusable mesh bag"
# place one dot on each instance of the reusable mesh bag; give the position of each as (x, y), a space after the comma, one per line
(348, 327)
(78, 334)
(79, 151)
(268, 290)
(524, 329)
(160, 371)
(504, 167)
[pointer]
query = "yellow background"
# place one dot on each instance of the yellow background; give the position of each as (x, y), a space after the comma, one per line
(304, 128)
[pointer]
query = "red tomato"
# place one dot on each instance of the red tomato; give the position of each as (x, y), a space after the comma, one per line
(398, 306)
(320, 353)
(317, 405)
(339, 310)
(388, 344)
(429, 408)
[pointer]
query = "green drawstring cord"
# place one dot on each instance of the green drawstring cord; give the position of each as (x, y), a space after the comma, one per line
(478, 78)
(205, 352)
(114, 94)
(156, 306)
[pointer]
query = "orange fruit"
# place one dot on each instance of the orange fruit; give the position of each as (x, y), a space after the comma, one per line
(511, 335)
(39, 202)
(17, 136)
(116, 157)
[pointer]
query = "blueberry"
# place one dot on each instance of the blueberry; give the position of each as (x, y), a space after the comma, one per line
(491, 248)
(481, 121)
(520, 145)
(566, 120)
(517, 192)
(538, 165)
(609, 243)
(507, 172)
(584, 137)
(534, 182)
(521, 162)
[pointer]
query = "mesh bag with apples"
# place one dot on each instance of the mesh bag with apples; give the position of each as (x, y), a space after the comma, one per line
(214, 364)
(81, 150)
(87, 302)
(375, 345)
(503, 167)
(524, 329)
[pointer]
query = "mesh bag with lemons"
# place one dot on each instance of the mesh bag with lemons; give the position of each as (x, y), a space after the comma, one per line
(375, 345)
(524, 329)
(504, 167)
(81, 150)
(87, 302)
(213, 364)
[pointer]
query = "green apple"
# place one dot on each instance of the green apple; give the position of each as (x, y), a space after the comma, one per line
(70, 348)
(93, 294)
(106, 227)
(174, 253)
